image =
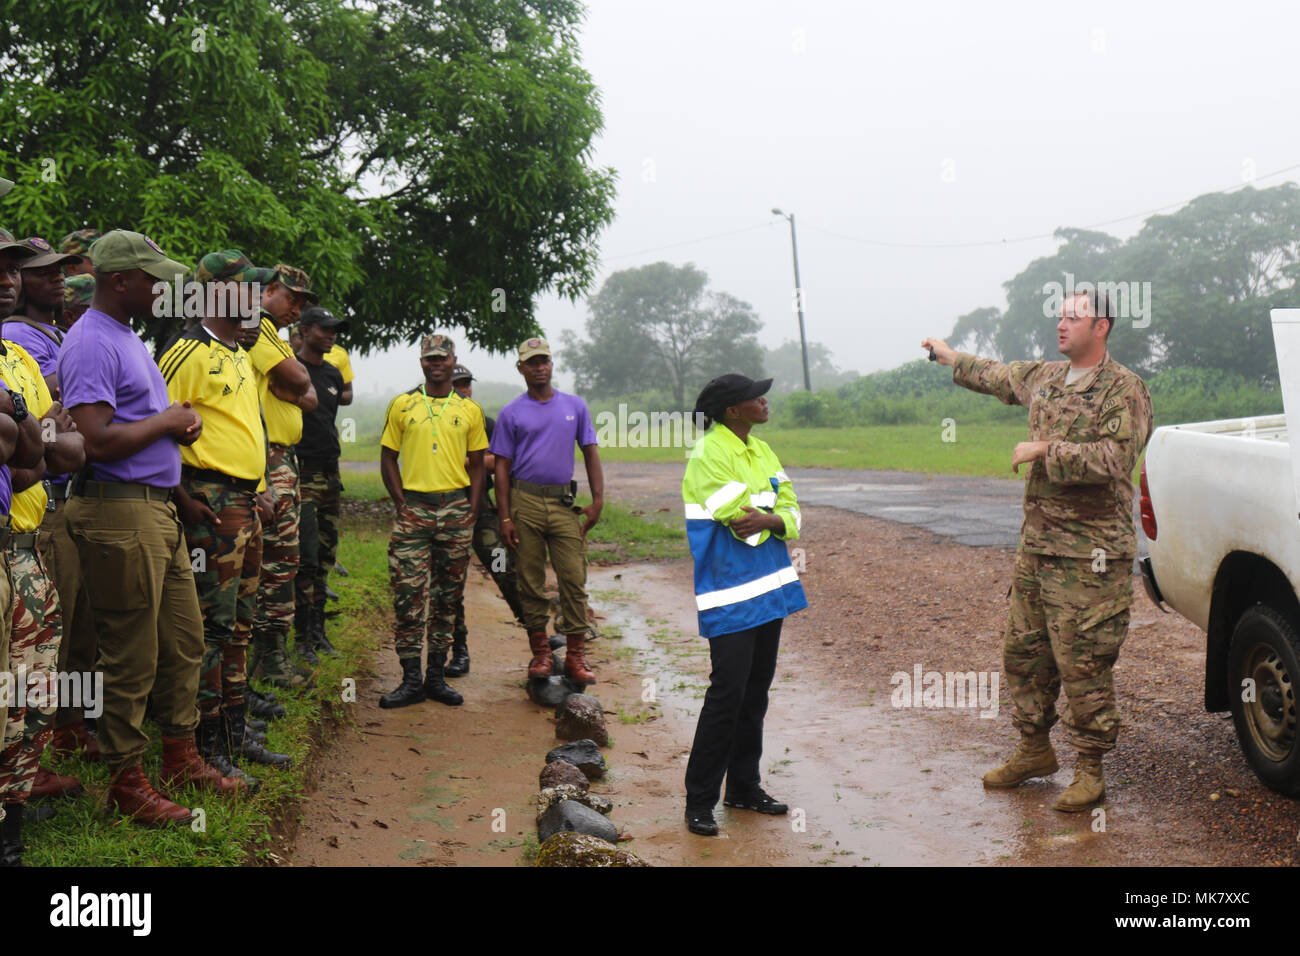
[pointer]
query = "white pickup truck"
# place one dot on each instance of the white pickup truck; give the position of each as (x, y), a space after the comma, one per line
(1220, 515)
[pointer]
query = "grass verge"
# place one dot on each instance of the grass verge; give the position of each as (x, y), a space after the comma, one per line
(246, 830)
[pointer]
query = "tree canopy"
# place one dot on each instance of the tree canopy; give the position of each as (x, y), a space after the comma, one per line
(427, 161)
(1209, 273)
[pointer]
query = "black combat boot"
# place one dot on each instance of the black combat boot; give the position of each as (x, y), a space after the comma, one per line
(318, 639)
(435, 688)
(458, 666)
(410, 691)
(303, 639)
(245, 747)
(263, 705)
(11, 853)
(214, 748)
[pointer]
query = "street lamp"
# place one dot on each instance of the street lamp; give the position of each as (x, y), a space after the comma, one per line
(798, 297)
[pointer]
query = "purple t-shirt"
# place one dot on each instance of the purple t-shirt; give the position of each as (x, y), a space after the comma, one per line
(102, 360)
(38, 345)
(6, 489)
(538, 437)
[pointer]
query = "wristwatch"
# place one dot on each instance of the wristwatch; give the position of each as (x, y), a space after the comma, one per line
(20, 407)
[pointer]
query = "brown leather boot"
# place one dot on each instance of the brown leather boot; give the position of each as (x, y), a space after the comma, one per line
(575, 664)
(541, 647)
(182, 764)
(132, 794)
(50, 784)
(73, 737)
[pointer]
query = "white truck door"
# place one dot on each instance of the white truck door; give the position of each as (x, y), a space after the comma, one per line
(1286, 339)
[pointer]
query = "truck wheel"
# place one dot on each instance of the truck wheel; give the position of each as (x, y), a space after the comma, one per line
(1263, 668)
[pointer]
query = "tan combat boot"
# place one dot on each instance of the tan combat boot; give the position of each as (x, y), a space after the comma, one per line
(1034, 757)
(1088, 788)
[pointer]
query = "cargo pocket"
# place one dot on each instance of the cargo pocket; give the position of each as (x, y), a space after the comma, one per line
(112, 564)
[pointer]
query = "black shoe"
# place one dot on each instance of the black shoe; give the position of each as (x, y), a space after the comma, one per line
(340, 570)
(318, 639)
(458, 666)
(410, 691)
(758, 801)
(701, 822)
(330, 594)
(435, 688)
(214, 747)
(253, 722)
(259, 706)
(252, 733)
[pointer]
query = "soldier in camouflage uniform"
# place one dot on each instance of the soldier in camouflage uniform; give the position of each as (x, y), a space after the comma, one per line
(286, 392)
(78, 291)
(431, 461)
(221, 475)
(78, 244)
(1089, 420)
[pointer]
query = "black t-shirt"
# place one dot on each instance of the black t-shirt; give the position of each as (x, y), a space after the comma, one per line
(320, 436)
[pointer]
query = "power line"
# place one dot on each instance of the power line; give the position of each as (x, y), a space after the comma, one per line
(688, 242)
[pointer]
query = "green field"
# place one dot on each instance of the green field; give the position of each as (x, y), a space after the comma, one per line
(980, 449)
(977, 450)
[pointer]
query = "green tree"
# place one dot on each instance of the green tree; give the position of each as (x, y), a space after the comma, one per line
(428, 163)
(659, 326)
(784, 364)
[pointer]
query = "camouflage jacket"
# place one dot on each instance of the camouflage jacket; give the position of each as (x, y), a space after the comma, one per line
(1080, 496)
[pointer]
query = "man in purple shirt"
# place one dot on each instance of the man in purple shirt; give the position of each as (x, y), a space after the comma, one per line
(139, 581)
(533, 444)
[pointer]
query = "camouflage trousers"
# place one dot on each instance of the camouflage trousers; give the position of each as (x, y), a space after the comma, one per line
(498, 561)
(318, 536)
(227, 561)
(1066, 627)
(428, 555)
(279, 553)
(33, 662)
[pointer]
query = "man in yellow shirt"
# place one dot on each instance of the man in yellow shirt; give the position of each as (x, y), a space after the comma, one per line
(221, 474)
(432, 465)
(286, 392)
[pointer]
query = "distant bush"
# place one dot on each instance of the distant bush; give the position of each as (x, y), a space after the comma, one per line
(1205, 394)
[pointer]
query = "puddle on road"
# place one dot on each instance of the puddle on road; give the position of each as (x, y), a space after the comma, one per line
(871, 786)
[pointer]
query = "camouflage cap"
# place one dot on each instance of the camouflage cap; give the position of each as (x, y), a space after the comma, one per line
(436, 345)
(46, 256)
(295, 280)
(78, 243)
(230, 265)
(5, 185)
(460, 372)
(533, 347)
(78, 290)
(11, 245)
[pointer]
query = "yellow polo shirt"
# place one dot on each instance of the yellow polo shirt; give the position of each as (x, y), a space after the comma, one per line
(338, 357)
(283, 420)
(21, 374)
(428, 463)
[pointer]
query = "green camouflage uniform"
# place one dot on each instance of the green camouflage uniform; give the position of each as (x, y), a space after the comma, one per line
(318, 536)
(279, 554)
(1073, 577)
(33, 650)
(227, 562)
(428, 555)
(498, 561)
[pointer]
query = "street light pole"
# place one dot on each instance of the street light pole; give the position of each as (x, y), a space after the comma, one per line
(798, 297)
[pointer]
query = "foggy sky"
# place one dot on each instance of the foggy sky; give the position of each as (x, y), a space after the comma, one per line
(911, 124)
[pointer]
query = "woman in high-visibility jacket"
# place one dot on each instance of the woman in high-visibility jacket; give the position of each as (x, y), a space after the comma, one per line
(740, 511)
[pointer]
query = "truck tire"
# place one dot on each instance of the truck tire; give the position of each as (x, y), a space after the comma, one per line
(1265, 650)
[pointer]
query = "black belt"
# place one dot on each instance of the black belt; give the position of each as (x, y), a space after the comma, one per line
(248, 485)
(546, 491)
(323, 465)
(124, 489)
(436, 497)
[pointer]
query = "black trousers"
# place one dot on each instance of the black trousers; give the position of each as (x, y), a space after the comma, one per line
(729, 735)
